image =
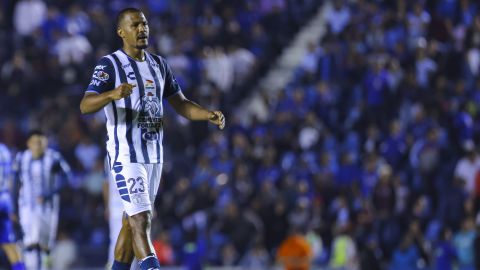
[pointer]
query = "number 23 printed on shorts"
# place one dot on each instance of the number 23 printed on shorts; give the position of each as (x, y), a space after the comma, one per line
(136, 185)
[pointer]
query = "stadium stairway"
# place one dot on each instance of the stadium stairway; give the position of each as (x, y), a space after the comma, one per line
(282, 71)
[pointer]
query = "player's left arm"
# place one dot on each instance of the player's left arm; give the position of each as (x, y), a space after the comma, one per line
(195, 112)
(184, 106)
(63, 175)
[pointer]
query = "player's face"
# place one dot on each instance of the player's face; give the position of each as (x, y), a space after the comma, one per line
(37, 145)
(134, 30)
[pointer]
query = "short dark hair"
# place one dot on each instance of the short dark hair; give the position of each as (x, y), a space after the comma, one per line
(34, 132)
(124, 12)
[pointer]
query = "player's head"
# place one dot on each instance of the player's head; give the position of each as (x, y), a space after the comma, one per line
(132, 28)
(37, 142)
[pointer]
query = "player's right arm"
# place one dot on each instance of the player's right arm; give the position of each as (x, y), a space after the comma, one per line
(102, 90)
(93, 102)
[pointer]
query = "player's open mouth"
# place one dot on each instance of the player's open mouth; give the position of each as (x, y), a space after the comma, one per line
(142, 37)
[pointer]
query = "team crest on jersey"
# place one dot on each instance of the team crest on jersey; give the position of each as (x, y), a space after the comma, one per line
(150, 105)
(150, 115)
(101, 75)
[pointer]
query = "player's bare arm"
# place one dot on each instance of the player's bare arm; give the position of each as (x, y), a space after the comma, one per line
(93, 102)
(195, 112)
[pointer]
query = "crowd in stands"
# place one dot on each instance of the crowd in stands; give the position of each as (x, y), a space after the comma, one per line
(378, 133)
(369, 154)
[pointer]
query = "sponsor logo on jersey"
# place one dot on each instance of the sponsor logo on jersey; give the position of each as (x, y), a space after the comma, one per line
(131, 75)
(95, 82)
(100, 67)
(101, 75)
(149, 85)
(151, 136)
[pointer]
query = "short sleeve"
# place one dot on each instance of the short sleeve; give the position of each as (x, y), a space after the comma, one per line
(171, 85)
(103, 77)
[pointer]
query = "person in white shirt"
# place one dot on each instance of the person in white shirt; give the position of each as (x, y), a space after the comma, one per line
(468, 166)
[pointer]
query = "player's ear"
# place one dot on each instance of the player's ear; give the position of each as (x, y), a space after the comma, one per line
(120, 32)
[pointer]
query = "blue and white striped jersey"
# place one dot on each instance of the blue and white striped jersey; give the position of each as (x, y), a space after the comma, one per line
(134, 123)
(40, 178)
(5, 168)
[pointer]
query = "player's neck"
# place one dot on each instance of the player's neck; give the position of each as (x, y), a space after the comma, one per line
(135, 53)
(37, 155)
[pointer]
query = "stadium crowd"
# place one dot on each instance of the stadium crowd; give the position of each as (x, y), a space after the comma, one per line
(370, 152)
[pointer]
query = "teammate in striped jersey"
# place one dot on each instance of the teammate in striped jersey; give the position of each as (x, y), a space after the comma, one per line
(7, 238)
(41, 173)
(130, 85)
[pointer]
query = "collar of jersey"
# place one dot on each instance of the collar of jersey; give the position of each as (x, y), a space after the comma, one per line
(134, 58)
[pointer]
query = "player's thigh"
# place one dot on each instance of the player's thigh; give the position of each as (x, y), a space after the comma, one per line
(132, 184)
(49, 225)
(31, 224)
(154, 177)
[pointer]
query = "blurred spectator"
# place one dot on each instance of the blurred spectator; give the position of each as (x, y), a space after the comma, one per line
(464, 244)
(339, 17)
(65, 252)
(243, 63)
(405, 256)
(163, 249)
(34, 10)
(344, 251)
(219, 68)
(384, 193)
(256, 258)
(294, 252)
(369, 256)
(93, 181)
(73, 48)
(467, 167)
(88, 153)
(444, 252)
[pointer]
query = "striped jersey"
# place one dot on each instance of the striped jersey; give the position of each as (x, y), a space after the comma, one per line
(41, 177)
(134, 123)
(5, 168)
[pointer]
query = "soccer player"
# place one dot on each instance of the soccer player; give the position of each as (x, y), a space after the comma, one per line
(130, 85)
(41, 173)
(7, 239)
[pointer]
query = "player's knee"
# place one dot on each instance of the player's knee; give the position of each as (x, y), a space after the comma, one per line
(140, 222)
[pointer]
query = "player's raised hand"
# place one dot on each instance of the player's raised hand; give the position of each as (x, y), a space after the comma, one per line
(123, 90)
(217, 118)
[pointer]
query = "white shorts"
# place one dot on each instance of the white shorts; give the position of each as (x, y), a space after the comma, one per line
(137, 185)
(39, 224)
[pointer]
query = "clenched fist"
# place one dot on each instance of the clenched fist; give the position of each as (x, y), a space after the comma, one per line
(121, 91)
